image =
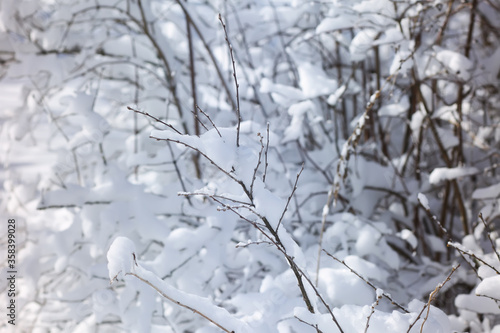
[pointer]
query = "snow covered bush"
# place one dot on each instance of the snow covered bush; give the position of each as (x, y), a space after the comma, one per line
(283, 167)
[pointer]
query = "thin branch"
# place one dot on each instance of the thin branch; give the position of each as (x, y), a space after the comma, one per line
(154, 118)
(290, 197)
(168, 71)
(253, 223)
(473, 256)
(265, 155)
(195, 114)
(210, 53)
(209, 119)
(258, 163)
(432, 296)
(379, 297)
(77, 166)
(488, 235)
(235, 82)
(177, 171)
(434, 218)
(306, 323)
(434, 293)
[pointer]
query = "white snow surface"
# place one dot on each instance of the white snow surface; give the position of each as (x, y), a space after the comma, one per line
(477, 304)
(423, 200)
(455, 62)
(334, 23)
(314, 81)
(361, 44)
(489, 192)
(441, 174)
(489, 287)
(120, 262)
(120, 258)
(298, 112)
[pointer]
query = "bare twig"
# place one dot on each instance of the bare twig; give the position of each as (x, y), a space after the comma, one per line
(488, 235)
(155, 119)
(209, 119)
(192, 72)
(290, 197)
(265, 155)
(316, 291)
(235, 82)
(177, 171)
(208, 48)
(77, 166)
(432, 296)
(258, 162)
(387, 296)
(195, 114)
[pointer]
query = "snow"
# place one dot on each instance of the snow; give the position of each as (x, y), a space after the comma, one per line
(423, 200)
(334, 23)
(298, 112)
(120, 260)
(361, 44)
(393, 110)
(455, 62)
(334, 98)
(489, 192)
(489, 287)
(366, 269)
(201, 304)
(284, 95)
(436, 244)
(408, 236)
(439, 175)
(314, 81)
(477, 304)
